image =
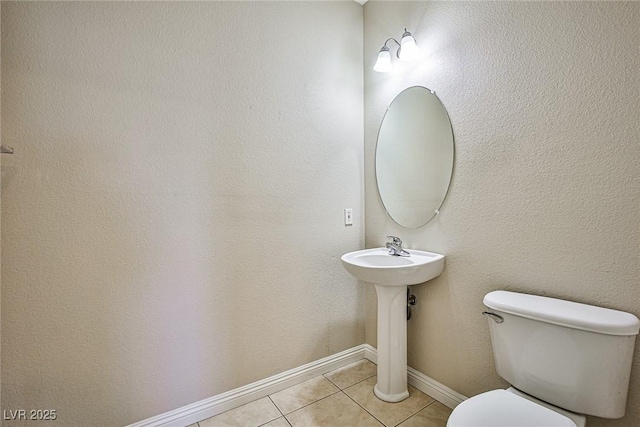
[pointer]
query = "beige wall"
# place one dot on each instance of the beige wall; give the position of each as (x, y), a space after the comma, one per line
(154, 162)
(0, 226)
(544, 101)
(172, 219)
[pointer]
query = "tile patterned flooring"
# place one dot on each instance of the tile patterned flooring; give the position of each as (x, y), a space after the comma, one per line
(340, 398)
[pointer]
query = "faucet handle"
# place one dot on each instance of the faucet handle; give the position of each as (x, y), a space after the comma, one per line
(395, 240)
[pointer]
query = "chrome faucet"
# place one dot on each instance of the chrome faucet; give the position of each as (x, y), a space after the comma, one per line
(395, 247)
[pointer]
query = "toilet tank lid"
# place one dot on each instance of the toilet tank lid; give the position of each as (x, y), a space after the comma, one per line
(564, 313)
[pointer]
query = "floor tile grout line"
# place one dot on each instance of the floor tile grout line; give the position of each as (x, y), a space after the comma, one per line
(309, 404)
(365, 409)
(357, 382)
(248, 403)
(372, 375)
(419, 410)
(368, 378)
(264, 424)
(279, 410)
(328, 379)
(274, 404)
(395, 425)
(434, 401)
(415, 413)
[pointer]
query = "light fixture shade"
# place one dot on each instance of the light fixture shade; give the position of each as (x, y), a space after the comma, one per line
(383, 64)
(408, 47)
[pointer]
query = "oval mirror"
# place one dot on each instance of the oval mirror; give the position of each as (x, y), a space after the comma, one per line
(414, 157)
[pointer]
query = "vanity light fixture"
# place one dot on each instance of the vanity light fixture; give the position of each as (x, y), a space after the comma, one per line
(407, 50)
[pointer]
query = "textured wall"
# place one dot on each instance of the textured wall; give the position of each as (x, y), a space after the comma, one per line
(0, 226)
(173, 219)
(544, 100)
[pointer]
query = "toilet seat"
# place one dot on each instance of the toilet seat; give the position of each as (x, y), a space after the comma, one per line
(500, 408)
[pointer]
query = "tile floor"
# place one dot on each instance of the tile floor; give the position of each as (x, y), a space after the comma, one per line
(340, 398)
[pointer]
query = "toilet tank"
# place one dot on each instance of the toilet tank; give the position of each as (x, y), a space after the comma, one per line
(574, 356)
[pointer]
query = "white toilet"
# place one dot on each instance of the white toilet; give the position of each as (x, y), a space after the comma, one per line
(563, 359)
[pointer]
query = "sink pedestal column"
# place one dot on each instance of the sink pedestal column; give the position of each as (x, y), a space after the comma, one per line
(392, 343)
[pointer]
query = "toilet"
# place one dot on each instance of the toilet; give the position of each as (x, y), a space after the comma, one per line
(564, 360)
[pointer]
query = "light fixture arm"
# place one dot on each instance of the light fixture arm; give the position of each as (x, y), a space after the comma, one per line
(383, 64)
(396, 42)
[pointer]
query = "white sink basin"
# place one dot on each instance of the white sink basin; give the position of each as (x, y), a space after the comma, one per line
(378, 267)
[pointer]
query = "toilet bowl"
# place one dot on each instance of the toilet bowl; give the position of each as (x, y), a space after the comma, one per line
(564, 360)
(511, 408)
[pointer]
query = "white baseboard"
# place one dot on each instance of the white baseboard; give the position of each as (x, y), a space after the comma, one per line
(425, 384)
(433, 388)
(220, 403)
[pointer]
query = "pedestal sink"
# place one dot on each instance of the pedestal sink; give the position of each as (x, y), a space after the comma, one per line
(391, 275)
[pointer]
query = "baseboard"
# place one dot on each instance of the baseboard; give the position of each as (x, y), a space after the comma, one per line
(425, 384)
(220, 403)
(433, 388)
(232, 399)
